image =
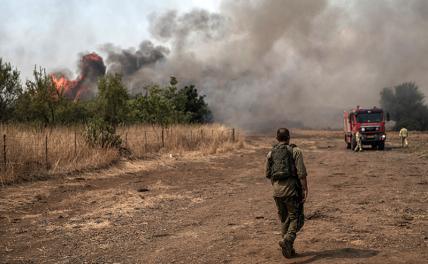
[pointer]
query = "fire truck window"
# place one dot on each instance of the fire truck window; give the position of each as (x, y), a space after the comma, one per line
(369, 117)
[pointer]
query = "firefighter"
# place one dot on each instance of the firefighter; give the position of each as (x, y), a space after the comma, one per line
(358, 140)
(403, 136)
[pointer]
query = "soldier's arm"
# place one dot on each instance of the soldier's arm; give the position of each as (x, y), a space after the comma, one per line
(268, 173)
(301, 171)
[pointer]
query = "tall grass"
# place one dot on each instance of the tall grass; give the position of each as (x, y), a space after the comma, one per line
(40, 153)
(209, 139)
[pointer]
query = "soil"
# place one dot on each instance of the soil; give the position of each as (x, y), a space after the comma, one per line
(367, 207)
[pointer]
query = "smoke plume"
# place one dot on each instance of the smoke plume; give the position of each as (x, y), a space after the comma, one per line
(269, 63)
(265, 64)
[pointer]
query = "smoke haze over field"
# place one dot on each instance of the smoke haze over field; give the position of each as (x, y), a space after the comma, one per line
(264, 64)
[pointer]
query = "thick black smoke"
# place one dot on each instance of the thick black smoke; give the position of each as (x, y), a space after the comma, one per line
(129, 61)
(91, 68)
(272, 63)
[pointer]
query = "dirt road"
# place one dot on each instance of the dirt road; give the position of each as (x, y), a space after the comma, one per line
(368, 207)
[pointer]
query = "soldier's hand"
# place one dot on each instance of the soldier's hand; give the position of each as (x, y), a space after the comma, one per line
(305, 195)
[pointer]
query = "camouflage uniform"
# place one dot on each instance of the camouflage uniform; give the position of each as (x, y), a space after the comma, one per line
(403, 135)
(287, 193)
(358, 140)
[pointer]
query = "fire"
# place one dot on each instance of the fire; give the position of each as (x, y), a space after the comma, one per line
(91, 68)
(63, 85)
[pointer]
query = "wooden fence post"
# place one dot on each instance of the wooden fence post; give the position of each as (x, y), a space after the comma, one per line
(163, 137)
(233, 135)
(75, 143)
(145, 141)
(4, 152)
(46, 152)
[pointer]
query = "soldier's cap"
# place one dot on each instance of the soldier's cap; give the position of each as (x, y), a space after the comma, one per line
(282, 134)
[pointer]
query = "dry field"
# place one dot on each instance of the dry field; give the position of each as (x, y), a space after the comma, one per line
(367, 207)
(28, 154)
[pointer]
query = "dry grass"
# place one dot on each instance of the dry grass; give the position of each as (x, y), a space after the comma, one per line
(209, 139)
(27, 158)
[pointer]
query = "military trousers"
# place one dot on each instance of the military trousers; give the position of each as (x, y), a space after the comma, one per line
(288, 215)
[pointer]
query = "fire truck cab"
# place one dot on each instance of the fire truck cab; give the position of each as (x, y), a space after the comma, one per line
(369, 122)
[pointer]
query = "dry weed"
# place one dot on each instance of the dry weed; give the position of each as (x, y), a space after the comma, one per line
(29, 154)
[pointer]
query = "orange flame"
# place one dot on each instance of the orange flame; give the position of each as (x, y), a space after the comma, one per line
(90, 65)
(63, 85)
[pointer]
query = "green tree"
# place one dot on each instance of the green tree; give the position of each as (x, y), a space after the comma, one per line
(170, 105)
(71, 112)
(109, 109)
(405, 104)
(40, 101)
(195, 106)
(112, 99)
(10, 89)
(155, 107)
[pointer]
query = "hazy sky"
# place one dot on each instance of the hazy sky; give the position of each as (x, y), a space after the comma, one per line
(51, 33)
(313, 58)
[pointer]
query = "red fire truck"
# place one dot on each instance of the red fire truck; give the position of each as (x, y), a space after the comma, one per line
(369, 122)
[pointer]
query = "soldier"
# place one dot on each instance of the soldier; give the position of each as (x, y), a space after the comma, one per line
(287, 172)
(358, 140)
(403, 136)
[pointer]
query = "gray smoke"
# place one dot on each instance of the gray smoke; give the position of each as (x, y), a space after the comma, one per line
(264, 64)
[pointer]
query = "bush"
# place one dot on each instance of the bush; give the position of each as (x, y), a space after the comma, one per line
(99, 133)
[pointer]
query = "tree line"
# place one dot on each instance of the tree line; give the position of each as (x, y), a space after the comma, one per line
(39, 102)
(405, 104)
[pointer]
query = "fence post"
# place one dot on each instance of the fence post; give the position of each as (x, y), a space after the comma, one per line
(126, 139)
(233, 135)
(75, 143)
(163, 137)
(145, 141)
(46, 152)
(4, 152)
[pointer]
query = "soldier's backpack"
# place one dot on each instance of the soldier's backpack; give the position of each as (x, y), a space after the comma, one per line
(282, 162)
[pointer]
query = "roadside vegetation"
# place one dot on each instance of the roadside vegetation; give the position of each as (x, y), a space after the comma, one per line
(45, 133)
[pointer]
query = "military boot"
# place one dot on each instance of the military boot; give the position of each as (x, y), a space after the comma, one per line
(287, 248)
(293, 252)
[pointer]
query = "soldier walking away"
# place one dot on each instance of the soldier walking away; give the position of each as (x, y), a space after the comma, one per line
(403, 136)
(358, 140)
(287, 172)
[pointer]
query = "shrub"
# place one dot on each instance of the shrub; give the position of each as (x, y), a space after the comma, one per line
(99, 133)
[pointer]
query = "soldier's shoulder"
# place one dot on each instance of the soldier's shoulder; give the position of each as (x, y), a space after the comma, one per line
(297, 150)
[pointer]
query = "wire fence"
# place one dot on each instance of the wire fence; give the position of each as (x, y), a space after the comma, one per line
(28, 153)
(141, 142)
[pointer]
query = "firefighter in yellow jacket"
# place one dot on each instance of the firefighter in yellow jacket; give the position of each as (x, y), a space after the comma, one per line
(359, 146)
(403, 136)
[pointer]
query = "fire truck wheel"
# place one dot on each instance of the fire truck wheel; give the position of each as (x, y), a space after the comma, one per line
(381, 146)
